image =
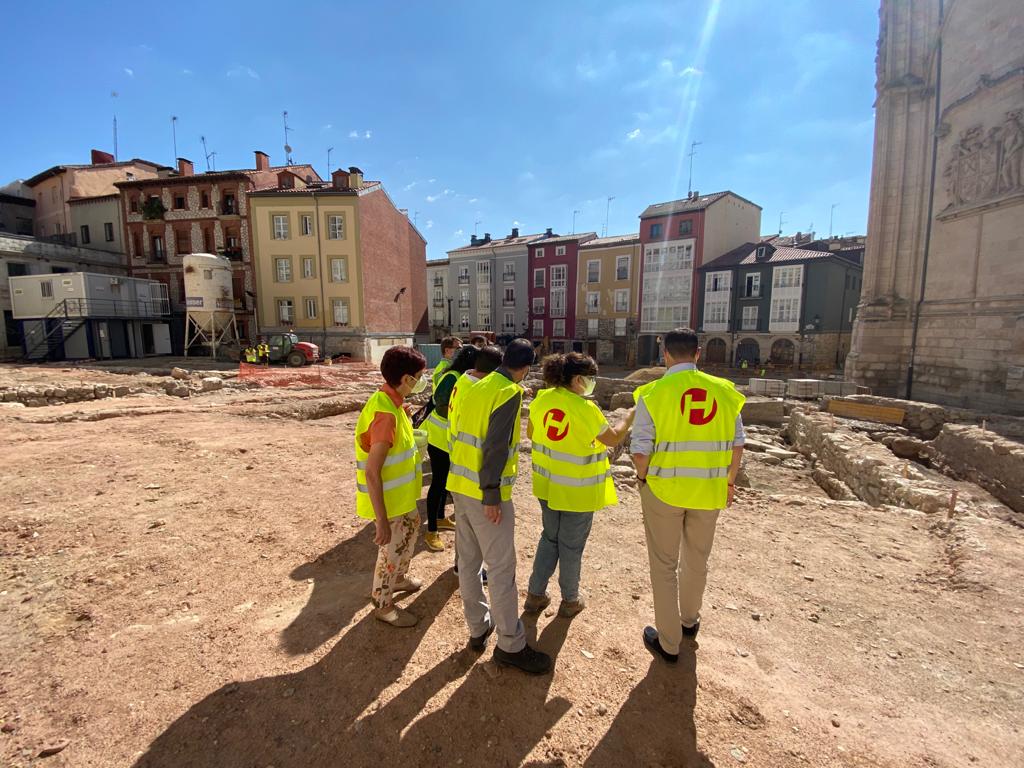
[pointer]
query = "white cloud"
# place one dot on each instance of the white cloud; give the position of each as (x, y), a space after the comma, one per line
(367, 135)
(357, 135)
(353, 134)
(129, 72)
(515, 223)
(472, 199)
(327, 127)
(433, 198)
(666, 66)
(430, 223)
(238, 70)
(410, 185)
(458, 233)
(589, 69)
(526, 176)
(431, 181)
(186, 71)
(691, 71)
(447, 192)
(635, 133)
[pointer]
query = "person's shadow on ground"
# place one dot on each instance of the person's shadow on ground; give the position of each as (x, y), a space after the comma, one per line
(655, 725)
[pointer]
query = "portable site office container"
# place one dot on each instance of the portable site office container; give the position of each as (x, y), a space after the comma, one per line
(78, 315)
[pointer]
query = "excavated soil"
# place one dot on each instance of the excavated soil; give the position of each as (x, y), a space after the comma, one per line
(188, 588)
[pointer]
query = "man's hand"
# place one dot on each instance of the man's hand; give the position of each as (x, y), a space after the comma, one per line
(732, 493)
(493, 513)
(383, 534)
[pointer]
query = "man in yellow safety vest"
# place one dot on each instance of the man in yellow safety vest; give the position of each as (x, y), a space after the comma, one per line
(484, 460)
(450, 345)
(687, 445)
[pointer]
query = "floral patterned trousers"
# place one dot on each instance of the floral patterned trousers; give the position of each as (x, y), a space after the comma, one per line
(393, 560)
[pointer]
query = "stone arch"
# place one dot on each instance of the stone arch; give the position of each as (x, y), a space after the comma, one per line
(748, 349)
(715, 351)
(783, 353)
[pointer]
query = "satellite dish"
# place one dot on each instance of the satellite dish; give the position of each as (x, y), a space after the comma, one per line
(288, 148)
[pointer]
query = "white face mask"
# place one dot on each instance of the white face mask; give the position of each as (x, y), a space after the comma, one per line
(589, 384)
(419, 386)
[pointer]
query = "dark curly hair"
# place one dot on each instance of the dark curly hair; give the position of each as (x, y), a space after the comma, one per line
(560, 369)
(464, 359)
(401, 361)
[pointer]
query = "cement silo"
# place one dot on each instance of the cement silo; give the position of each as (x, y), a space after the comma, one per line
(209, 303)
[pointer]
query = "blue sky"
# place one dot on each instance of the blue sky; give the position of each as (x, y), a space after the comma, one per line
(507, 114)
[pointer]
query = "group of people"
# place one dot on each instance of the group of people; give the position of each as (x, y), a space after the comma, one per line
(258, 354)
(687, 443)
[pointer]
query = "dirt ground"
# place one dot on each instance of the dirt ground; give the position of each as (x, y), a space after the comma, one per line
(188, 587)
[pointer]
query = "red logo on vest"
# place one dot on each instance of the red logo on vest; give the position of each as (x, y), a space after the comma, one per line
(557, 424)
(698, 416)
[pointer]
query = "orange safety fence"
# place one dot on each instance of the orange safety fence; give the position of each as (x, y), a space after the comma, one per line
(316, 376)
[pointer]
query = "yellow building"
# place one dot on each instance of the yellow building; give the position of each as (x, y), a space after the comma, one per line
(608, 295)
(312, 244)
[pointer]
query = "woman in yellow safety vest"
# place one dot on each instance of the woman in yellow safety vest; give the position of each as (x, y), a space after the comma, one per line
(571, 474)
(389, 479)
(437, 446)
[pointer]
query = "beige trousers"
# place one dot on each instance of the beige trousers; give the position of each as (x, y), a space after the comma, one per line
(393, 559)
(678, 544)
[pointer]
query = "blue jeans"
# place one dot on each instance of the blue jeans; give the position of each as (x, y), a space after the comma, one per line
(561, 544)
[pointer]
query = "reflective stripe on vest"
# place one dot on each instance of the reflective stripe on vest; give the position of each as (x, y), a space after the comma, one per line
(684, 446)
(436, 424)
(571, 458)
(713, 472)
(401, 473)
(392, 483)
(468, 439)
(577, 482)
(469, 474)
(393, 458)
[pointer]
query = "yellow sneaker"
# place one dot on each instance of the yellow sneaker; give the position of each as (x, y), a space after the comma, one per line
(446, 525)
(433, 542)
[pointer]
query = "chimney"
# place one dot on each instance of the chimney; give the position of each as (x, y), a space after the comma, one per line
(355, 177)
(515, 232)
(262, 161)
(548, 232)
(473, 240)
(99, 157)
(487, 238)
(185, 167)
(339, 179)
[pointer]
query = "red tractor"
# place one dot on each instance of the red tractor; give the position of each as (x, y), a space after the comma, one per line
(286, 348)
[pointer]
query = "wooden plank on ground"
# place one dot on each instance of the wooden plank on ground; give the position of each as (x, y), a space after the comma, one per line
(865, 412)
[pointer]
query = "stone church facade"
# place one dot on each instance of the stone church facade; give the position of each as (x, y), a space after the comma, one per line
(941, 316)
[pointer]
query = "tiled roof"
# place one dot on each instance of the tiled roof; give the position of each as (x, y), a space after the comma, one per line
(581, 236)
(322, 187)
(605, 242)
(16, 200)
(437, 263)
(57, 169)
(93, 198)
(746, 255)
(261, 179)
(521, 240)
(689, 204)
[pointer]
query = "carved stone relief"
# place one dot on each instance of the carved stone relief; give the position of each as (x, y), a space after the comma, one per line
(984, 166)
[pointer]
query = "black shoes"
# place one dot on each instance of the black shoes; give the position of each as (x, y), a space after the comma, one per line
(528, 660)
(651, 641)
(691, 631)
(479, 643)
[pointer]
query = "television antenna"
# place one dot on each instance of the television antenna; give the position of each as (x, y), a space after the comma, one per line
(831, 213)
(574, 222)
(287, 146)
(781, 222)
(113, 95)
(475, 223)
(206, 152)
(174, 134)
(692, 152)
(607, 210)
(329, 150)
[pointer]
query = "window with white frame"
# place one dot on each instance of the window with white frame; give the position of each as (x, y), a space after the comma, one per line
(280, 227)
(558, 302)
(538, 306)
(307, 224)
(308, 268)
(464, 275)
(620, 326)
(786, 277)
(464, 298)
(284, 270)
(785, 310)
(718, 282)
(464, 321)
(509, 297)
(483, 298)
(593, 302)
(483, 272)
(310, 304)
(592, 325)
(46, 289)
(749, 321)
(716, 312)
(508, 272)
(558, 328)
(559, 250)
(540, 253)
(622, 267)
(336, 227)
(558, 276)
(622, 300)
(538, 278)
(339, 270)
(538, 329)
(594, 271)
(508, 321)
(438, 297)
(340, 311)
(751, 285)
(285, 311)
(484, 320)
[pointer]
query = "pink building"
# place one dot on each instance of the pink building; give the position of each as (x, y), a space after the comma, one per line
(552, 276)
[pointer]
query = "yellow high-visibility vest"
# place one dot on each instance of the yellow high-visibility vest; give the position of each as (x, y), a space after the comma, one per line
(462, 385)
(571, 471)
(469, 428)
(694, 417)
(401, 474)
(439, 370)
(436, 424)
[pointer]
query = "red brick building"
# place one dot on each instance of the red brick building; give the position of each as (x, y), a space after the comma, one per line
(184, 212)
(552, 276)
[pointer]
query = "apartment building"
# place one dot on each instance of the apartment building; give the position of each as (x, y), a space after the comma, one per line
(488, 282)
(96, 222)
(552, 293)
(337, 263)
(188, 212)
(439, 298)
(676, 238)
(608, 293)
(16, 214)
(55, 188)
(779, 305)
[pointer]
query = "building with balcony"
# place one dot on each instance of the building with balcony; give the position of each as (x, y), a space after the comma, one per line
(22, 255)
(80, 315)
(488, 283)
(608, 292)
(676, 238)
(188, 212)
(439, 299)
(55, 188)
(788, 307)
(337, 263)
(553, 308)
